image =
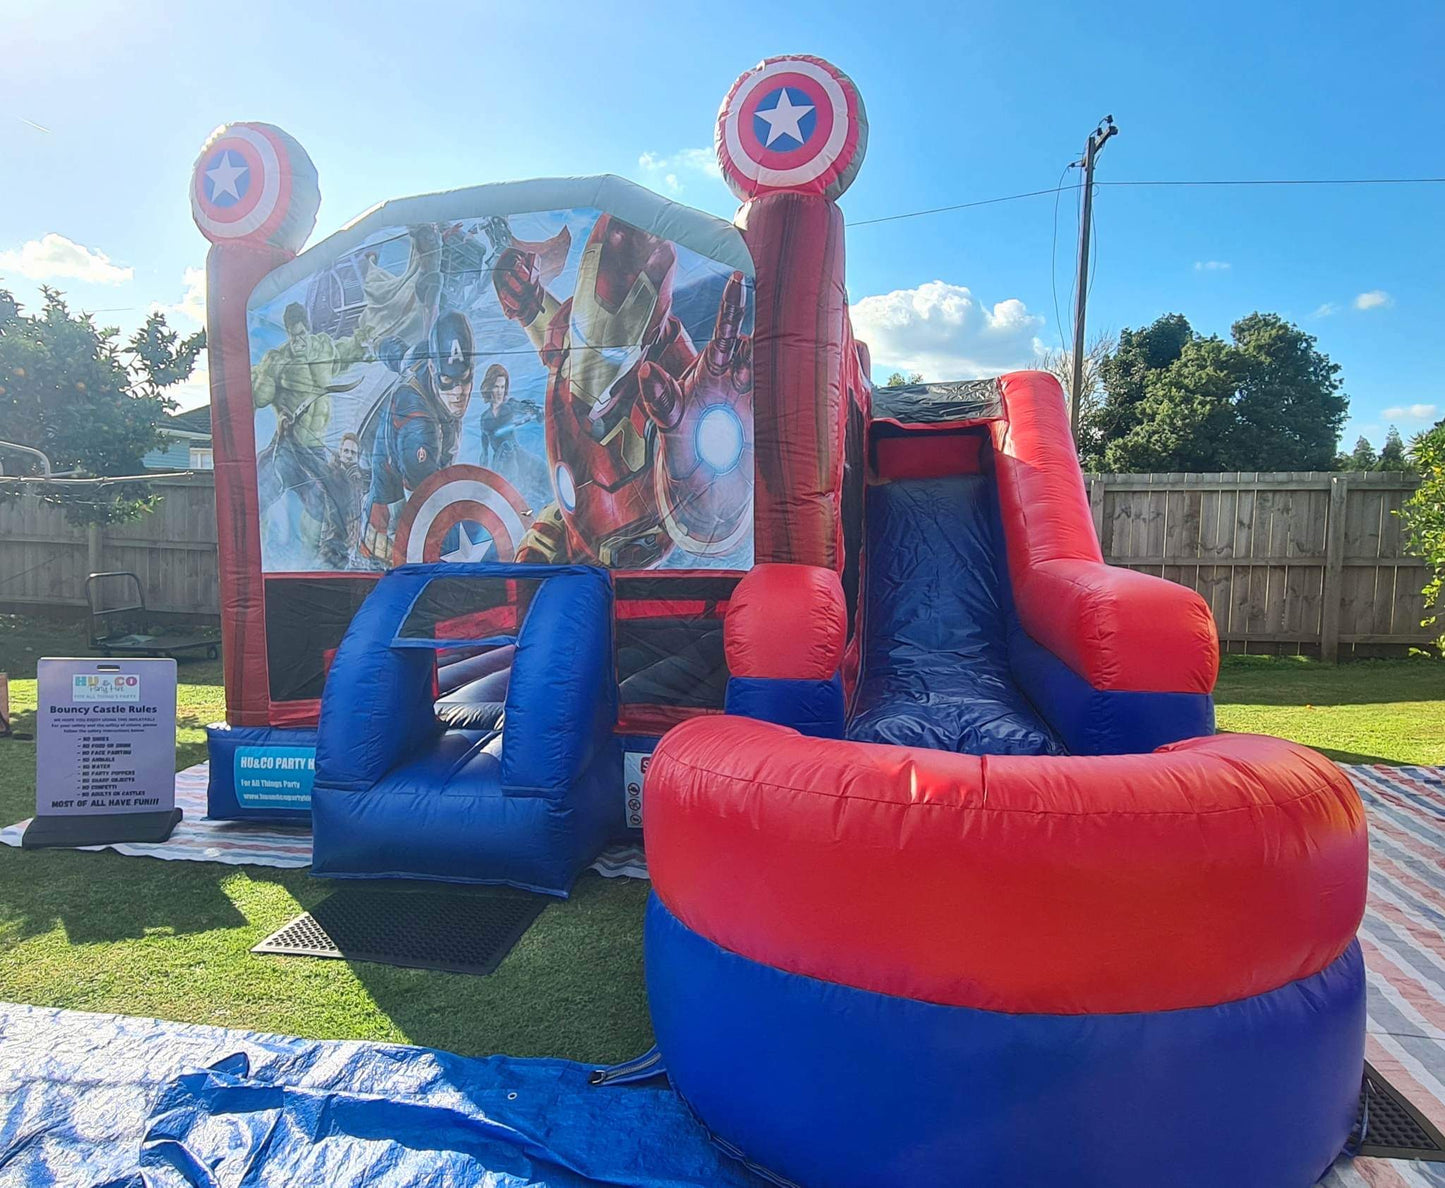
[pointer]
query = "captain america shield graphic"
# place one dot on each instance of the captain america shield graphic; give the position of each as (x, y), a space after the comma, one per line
(239, 187)
(461, 513)
(791, 124)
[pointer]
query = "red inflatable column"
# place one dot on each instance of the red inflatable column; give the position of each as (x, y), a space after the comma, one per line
(790, 137)
(254, 195)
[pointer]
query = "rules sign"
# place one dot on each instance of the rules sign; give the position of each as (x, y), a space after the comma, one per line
(105, 737)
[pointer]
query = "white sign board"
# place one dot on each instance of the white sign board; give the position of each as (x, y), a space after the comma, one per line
(105, 737)
(634, 768)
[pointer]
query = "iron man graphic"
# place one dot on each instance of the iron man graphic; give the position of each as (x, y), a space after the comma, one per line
(649, 441)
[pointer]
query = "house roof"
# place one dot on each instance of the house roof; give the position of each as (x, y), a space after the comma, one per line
(194, 420)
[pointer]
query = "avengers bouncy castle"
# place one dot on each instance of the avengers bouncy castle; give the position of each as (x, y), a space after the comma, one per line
(527, 489)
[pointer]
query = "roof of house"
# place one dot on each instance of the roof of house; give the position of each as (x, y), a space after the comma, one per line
(194, 420)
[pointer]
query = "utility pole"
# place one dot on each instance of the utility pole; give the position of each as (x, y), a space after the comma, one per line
(1098, 138)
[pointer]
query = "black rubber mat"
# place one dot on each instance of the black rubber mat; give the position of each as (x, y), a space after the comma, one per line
(1393, 1128)
(456, 931)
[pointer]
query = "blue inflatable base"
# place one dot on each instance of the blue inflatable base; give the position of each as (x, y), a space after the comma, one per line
(259, 773)
(91, 1100)
(830, 1085)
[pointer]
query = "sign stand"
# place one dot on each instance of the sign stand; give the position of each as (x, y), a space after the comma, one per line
(105, 753)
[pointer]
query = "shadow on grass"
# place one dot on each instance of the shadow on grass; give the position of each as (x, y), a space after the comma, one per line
(1295, 680)
(103, 897)
(571, 988)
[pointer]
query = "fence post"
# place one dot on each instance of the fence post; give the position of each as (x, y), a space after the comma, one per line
(94, 543)
(1333, 588)
(1096, 505)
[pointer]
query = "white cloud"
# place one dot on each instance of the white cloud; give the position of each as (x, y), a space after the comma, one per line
(945, 332)
(1410, 412)
(192, 304)
(669, 170)
(1324, 311)
(1211, 265)
(1374, 299)
(53, 257)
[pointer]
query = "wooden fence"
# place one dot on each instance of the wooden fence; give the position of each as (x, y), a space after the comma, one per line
(1312, 563)
(1315, 562)
(44, 560)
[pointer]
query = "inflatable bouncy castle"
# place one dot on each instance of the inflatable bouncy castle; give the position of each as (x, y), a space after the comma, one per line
(532, 489)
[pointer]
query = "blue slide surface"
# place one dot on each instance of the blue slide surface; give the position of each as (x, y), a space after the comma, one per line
(936, 618)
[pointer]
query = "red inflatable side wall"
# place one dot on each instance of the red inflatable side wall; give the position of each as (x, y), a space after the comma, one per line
(799, 378)
(232, 271)
(1024, 884)
(1117, 628)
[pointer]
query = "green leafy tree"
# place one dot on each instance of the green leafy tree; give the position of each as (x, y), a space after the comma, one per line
(92, 403)
(1424, 514)
(1290, 408)
(1176, 400)
(1362, 457)
(1392, 453)
(1185, 420)
(898, 379)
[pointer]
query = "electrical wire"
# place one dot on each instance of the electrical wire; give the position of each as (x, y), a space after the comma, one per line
(1268, 181)
(1054, 259)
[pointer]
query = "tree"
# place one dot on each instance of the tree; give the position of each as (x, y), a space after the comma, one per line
(1392, 454)
(92, 404)
(1060, 364)
(1185, 419)
(1362, 457)
(898, 379)
(1424, 514)
(1290, 408)
(1175, 400)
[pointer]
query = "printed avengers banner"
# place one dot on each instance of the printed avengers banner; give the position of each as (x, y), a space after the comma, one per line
(549, 386)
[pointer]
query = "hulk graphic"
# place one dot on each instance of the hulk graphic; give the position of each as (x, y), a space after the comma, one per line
(298, 380)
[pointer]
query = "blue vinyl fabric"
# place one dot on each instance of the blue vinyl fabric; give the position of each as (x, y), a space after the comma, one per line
(528, 803)
(830, 1085)
(223, 800)
(810, 707)
(935, 662)
(92, 1100)
(1101, 721)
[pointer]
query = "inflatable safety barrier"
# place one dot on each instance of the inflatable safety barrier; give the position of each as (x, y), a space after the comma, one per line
(954, 969)
(508, 778)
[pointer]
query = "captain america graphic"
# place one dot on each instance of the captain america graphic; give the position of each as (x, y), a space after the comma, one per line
(418, 431)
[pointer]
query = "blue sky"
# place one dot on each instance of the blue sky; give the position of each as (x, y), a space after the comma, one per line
(965, 101)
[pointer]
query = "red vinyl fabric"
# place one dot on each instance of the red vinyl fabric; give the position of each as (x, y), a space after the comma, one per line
(232, 271)
(788, 622)
(799, 375)
(928, 455)
(1117, 628)
(1209, 871)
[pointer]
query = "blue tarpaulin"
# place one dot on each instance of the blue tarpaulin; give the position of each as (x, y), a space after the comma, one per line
(112, 1100)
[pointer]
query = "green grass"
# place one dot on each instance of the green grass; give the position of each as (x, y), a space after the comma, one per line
(137, 936)
(101, 932)
(1367, 711)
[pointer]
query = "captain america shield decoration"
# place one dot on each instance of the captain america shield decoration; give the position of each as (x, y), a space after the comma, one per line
(239, 187)
(461, 513)
(792, 123)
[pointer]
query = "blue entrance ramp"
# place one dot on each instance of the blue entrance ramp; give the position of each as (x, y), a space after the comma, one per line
(513, 775)
(92, 1100)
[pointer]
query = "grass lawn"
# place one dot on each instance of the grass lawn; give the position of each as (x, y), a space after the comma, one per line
(105, 933)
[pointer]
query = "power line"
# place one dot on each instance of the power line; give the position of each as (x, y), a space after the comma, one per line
(1256, 181)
